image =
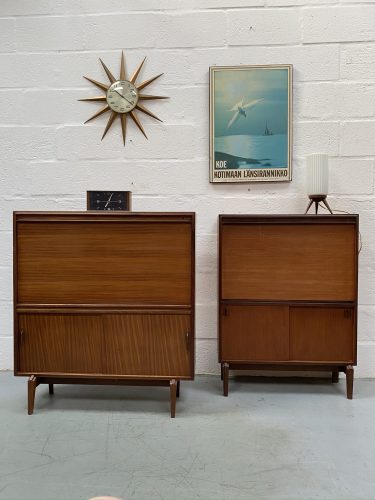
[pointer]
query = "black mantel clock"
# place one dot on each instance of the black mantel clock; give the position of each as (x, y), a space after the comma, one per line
(108, 200)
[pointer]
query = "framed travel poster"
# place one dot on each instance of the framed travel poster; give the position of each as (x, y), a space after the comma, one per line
(250, 123)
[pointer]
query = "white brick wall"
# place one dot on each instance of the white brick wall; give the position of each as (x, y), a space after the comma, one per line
(49, 158)
(264, 27)
(358, 62)
(339, 24)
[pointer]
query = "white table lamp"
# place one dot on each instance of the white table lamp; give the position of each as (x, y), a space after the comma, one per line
(317, 180)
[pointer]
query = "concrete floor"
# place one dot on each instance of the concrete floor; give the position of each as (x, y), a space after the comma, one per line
(270, 439)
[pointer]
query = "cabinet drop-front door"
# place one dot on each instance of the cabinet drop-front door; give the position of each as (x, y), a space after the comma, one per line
(322, 334)
(59, 343)
(156, 345)
(254, 333)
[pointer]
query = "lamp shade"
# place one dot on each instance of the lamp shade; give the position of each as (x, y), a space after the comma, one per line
(317, 174)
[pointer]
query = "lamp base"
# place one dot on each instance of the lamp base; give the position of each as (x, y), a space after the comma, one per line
(317, 198)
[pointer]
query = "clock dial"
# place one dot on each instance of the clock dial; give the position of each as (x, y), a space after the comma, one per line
(122, 96)
(108, 200)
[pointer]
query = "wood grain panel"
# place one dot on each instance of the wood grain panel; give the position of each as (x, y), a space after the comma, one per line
(288, 261)
(50, 343)
(322, 334)
(74, 262)
(154, 345)
(254, 333)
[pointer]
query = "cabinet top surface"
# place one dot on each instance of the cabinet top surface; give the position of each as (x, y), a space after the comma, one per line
(289, 218)
(94, 213)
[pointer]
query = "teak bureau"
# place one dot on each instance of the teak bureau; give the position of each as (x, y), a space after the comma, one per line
(288, 293)
(104, 298)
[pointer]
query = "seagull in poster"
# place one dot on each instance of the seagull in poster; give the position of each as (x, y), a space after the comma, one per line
(239, 109)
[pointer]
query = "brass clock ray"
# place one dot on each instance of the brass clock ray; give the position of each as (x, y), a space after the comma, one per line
(134, 105)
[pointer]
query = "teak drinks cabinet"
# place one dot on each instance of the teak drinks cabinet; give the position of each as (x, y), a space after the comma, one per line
(104, 298)
(288, 293)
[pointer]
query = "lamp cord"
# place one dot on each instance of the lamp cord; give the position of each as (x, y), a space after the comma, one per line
(359, 232)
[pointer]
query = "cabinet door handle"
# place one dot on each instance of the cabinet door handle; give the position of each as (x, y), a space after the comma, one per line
(21, 336)
(225, 311)
(187, 339)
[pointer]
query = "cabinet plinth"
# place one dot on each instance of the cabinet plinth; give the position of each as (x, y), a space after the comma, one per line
(104, 298)
(288, 293)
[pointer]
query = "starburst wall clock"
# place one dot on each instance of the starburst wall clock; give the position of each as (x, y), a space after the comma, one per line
(122, 97)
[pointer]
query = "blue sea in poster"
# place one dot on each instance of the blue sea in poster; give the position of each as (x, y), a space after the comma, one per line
(252, 151)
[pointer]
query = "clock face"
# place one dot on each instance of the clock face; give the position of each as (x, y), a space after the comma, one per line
(108, 200)
(122, 96)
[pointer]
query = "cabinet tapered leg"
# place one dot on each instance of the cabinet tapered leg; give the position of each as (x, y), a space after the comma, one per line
(335, 377)
(31, 386)
(178, 389)
(50, 388)
(221, 372)
(225, 368)
(349, 381)
(173, 389)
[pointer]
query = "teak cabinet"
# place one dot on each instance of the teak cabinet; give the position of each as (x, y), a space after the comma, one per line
(288, 293)
(104, 298)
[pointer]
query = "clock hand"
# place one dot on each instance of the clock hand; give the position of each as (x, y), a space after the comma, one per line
(109, 201)
(123, 97)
